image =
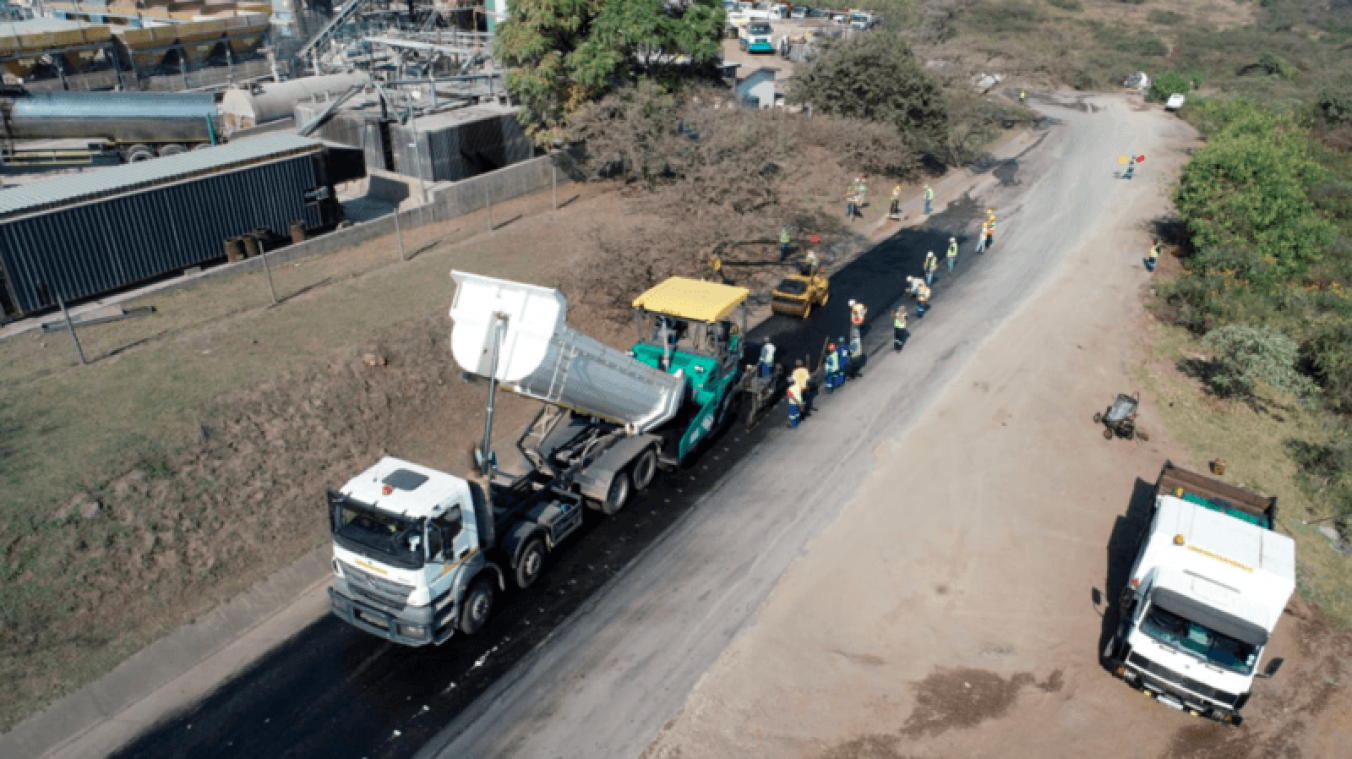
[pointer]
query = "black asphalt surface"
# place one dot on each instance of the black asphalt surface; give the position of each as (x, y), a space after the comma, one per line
(333, 691)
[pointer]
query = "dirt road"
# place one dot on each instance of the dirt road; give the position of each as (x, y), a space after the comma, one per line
(945, 602)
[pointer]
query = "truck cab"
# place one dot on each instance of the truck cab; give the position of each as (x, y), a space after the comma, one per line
(756, 37)
(419, 554)
(1208, 586)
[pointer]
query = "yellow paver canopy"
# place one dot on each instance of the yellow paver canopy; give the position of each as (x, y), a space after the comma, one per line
(692, 299)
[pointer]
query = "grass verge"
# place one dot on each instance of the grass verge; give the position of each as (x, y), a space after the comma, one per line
(1253, 443)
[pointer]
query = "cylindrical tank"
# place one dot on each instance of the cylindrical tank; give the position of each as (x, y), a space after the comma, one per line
(245, 108)
(127, 117)
(541, 358)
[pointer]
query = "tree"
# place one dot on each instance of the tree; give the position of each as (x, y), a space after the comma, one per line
(1172, 83)
(877, 78)
(1250, 185)
(563, 54)
(1248, 355)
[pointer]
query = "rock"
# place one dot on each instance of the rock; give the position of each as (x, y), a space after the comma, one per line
(91, 510)
(373, 359)
(1330, 532)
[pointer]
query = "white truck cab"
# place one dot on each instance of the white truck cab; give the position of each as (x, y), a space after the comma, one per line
(418, 554)
(1209, 584)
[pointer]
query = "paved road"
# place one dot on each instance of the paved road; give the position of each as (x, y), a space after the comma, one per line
(618, 632)
(625, 664)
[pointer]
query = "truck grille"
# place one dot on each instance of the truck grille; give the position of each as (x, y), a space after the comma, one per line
(392, 595)
(1170, 676)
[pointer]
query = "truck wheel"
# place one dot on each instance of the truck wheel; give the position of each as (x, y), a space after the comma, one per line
(618, 495)
(476, 605)
(173, 149)
(530, 563)
(1098, 417)
(1108, 433)
(138, 153)
(645, 469)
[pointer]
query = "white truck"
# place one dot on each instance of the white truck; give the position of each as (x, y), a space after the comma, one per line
(1210, 581)
(419, 554)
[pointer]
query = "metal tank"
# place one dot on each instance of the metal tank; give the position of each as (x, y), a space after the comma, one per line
(540, 357)
(123, 117)
(245, 108)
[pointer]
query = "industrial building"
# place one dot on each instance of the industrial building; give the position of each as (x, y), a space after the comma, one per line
(83, 235)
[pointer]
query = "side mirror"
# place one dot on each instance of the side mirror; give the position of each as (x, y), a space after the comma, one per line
(1272, 667)
(1128, 598)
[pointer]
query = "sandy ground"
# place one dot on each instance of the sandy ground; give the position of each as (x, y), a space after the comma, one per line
(953, 608)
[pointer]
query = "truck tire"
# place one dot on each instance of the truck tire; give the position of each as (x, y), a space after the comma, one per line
(618, 494)
(138, 153)
(172, 149)
(645, 470)
(529, 564)
(476, 606)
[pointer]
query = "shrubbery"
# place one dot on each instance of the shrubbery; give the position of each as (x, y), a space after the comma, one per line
(1172, 83)
(1247, 356)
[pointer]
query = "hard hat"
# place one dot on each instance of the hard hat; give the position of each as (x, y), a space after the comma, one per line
(952, 239)
(930, 254)
(989, 211)
(851, 302)
(831, 345)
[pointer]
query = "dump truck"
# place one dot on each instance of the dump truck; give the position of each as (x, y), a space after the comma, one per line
(420, 554)
(756, 37)
(1210, 580)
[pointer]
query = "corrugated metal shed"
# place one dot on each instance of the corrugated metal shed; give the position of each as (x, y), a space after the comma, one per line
(79, 188)
(460, 143)
(86, 234)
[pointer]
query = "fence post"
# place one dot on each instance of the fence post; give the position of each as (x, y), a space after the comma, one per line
(488, 201)
(399, 233)
(554, 183)
(263, 254)
(71, 326)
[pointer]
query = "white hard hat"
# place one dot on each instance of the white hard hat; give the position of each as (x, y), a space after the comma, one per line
(851, 303)
(952, 239)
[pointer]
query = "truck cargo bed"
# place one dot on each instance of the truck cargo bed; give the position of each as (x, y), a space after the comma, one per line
(1182, 483)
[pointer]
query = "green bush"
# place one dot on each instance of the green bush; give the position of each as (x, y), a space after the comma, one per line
(1247, 356)
(1164, 18)
(1067, 5)
(1141, 44)
(1170, 83)
(1248, 185)
(1336, 106)
(877, 78)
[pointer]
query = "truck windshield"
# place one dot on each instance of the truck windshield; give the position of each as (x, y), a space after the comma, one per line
(377, 534)
(1188, 636)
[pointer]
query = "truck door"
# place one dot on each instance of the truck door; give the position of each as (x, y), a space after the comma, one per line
(448, 545)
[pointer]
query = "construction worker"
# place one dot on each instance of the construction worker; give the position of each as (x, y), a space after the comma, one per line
(952, 252)
(929, 199)
(861, 189)
(990, 228)
(981, 238)
(801, 376)
(921, 292)
(785, 237)
(1154, 256)
(1022, 96)
(1131, 168)
(899, 332)
(894, 211)
(930, 266)
(767, 359)
(852, 203)
(795, 396)
(843, 352)
(813, 265)
(834, 378)
(856, 365)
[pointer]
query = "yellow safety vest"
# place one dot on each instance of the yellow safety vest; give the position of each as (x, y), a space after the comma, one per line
(900, 321)
(931, 263)
(953, 250)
